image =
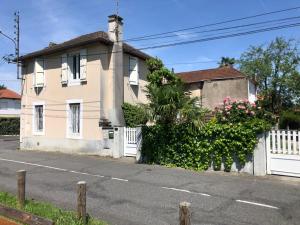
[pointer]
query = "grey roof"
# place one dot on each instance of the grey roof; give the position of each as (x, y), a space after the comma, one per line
(90, 38)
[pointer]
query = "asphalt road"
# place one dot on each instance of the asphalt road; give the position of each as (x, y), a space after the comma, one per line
(123, 193)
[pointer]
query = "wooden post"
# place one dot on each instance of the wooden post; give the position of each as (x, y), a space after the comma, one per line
(184, 213)
(21, 176)
(81, 201)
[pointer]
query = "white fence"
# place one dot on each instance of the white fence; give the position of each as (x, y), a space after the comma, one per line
(132, 141)
(283, 152)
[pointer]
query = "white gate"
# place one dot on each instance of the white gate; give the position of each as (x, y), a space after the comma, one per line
(283, 152)
(132, 141)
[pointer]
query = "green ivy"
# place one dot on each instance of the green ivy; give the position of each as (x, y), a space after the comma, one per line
(187, 146)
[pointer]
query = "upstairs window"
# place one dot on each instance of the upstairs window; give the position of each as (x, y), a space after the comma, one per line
(39, 75)
(133, 71)
(74, 67)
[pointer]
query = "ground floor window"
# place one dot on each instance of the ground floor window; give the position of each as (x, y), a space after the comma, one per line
(74, 119)
(38, 118)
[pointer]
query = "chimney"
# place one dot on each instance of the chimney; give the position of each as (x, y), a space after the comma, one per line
(115, 28)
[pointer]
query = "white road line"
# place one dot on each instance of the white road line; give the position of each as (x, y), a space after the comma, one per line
(33, 164)
(120, 179)
(186, 191)
(88, 174)
(258, 204)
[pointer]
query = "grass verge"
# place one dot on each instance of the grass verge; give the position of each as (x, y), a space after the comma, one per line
(46, 210)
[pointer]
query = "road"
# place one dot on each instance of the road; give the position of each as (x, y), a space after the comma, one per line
(124, 193)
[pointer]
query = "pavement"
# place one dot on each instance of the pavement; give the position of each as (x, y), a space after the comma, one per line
(123, 193)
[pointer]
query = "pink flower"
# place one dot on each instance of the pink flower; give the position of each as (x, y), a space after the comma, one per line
(241, 107)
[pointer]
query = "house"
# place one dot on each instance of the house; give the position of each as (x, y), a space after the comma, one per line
(73, 92)
(10, 103)
(211, 86)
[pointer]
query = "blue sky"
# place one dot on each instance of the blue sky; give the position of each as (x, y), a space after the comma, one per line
(43, 21)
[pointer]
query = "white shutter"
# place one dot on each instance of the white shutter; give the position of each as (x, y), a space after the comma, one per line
(133, 71)
(39, 73)
(83, 61)
(64, 69)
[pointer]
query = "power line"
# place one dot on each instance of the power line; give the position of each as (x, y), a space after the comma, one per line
(218, 33)
(222, 36)
(217, 23)
(220, 29)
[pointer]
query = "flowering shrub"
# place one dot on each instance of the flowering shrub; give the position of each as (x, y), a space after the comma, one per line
(234, 111)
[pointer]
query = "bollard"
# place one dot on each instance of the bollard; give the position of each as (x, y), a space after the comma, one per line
(184, 213)
(21, 176)
(81, 201)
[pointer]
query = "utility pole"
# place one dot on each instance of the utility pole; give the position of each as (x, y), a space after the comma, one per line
(17, 41)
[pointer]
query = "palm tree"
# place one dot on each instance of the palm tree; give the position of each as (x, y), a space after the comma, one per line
(226, 61)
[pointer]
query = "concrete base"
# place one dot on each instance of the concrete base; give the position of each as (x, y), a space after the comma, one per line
(71, 146)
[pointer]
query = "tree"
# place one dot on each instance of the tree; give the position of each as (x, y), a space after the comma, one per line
(2, 86)
(226, 61)
(168, 101)
(275, 70)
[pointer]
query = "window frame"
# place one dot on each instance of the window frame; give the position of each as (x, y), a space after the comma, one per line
(71, 80)
(34, 128)
(69, 134)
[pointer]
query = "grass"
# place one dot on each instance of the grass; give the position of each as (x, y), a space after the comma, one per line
(46, 210)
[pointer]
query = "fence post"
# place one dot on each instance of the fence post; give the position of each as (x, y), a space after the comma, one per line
(21, 177)
(184, 213)
(81, 201)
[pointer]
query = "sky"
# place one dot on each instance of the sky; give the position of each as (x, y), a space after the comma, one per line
(44, 21)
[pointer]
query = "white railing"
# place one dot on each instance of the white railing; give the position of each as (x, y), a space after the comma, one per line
(283, 142)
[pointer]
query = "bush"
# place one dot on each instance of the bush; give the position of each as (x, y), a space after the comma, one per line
(187, 146)
(9, 126)
(289, 119)
(134, 115)
(235, 111)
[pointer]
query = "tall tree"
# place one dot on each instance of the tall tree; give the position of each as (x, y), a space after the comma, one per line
(168, 101)
(2, 86)
(275, 69)
(226, 61)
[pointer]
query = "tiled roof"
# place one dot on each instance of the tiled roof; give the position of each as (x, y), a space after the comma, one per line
(221, 73)
(9, 94)
(95, 37)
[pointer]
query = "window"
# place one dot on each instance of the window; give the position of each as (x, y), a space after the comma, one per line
(133, 71)
(74, 65)
(39, 75)
(74, 114)
(38, 119)
(3, 105)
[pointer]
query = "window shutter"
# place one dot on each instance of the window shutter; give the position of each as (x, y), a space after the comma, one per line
(39, 73)
(133, 71)
(64, 69)
(83, 61)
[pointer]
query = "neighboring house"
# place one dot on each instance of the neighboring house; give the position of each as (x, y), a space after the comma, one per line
(73, 92)
(211, 86)
(10, 103)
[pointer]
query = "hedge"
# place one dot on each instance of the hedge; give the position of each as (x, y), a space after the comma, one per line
(9, 126)
(198, 148)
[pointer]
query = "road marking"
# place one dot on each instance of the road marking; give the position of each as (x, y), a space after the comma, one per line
(258, 204)
(120, 179)
(82, 173)
(34, 164)
(186, 191)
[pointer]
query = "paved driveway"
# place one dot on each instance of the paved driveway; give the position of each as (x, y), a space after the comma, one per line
(130, 194)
